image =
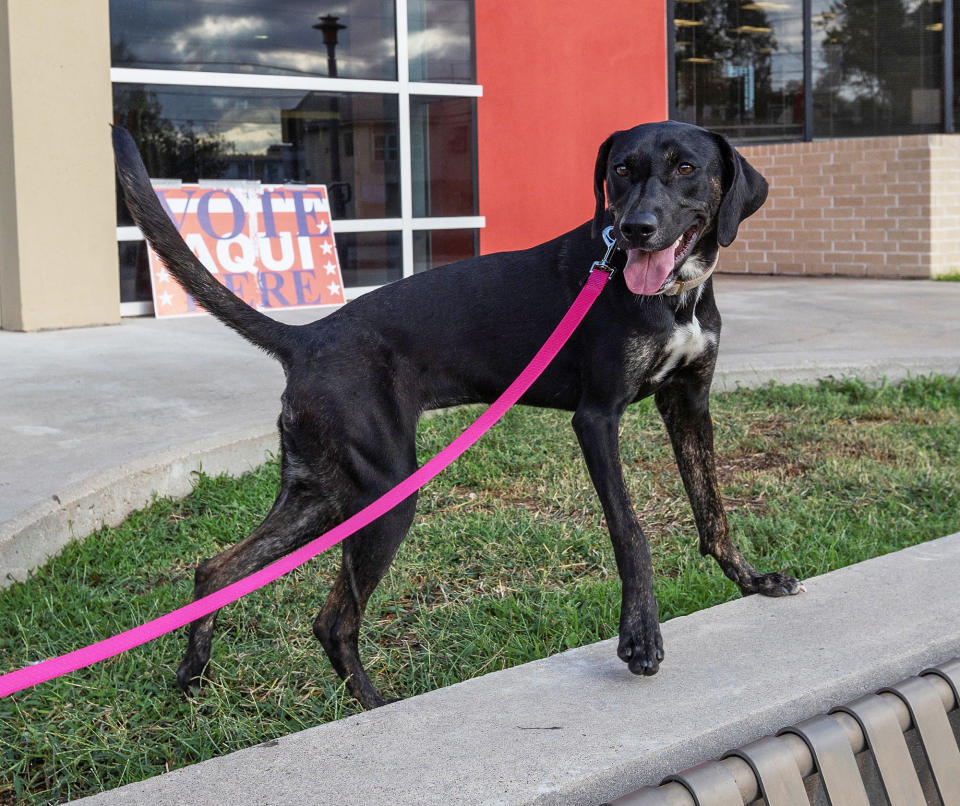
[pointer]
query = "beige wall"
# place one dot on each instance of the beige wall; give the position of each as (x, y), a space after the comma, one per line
(945, 201)
(877, 207)
(58, 250)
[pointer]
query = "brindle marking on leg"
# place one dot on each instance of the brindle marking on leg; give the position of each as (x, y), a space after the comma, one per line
(683, 405)
(366, 558)
(295, 519)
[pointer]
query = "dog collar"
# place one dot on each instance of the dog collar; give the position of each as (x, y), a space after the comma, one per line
(679, 286)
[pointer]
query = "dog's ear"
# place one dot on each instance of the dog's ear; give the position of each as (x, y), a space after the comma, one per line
(744, 191)
(599, 181)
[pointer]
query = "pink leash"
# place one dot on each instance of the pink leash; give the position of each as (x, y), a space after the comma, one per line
(80, 658)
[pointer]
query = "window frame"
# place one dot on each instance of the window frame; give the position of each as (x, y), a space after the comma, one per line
(947, 126)
(406, 224)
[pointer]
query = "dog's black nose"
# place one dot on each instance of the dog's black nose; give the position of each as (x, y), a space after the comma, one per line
(639, 227)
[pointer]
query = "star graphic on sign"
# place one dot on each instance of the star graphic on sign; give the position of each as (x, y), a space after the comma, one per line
(162, 276)
(327, 247)
(334, 289)
(166, 298)
(331, 267)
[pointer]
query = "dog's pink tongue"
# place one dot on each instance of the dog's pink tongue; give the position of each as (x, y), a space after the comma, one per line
(646, 272)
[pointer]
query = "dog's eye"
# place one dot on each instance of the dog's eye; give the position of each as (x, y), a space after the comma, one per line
(621, 170)
(685, 169)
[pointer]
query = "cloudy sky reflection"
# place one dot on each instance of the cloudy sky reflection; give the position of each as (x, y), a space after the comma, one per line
(239, 36)
(236, 36)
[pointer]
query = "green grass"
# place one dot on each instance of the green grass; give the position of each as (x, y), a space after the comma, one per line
(507, 562)
(950, 277)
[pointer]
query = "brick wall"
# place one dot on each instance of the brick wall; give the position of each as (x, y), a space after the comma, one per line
(871, 207)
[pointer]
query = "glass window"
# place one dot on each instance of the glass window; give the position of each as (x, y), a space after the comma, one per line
(877, 67)
(134, 272)
(346, 141)
(209, 126)
(441, 40)
(739, 67)
(442, 147)
(369, 258)
(250, 36)
(439, 247)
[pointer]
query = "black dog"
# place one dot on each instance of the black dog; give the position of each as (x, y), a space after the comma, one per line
(358, 380)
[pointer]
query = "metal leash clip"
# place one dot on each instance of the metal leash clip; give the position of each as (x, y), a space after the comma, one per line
(604, 263)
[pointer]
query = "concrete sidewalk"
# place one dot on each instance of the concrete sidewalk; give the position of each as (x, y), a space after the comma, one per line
(92, 422)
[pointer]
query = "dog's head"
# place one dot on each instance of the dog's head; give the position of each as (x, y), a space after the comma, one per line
(676, 191)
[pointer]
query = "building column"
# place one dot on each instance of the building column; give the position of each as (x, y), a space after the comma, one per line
(58, 248)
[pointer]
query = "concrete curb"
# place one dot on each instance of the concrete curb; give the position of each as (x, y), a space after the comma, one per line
(810, 372)
(576, 728)
(28, 540)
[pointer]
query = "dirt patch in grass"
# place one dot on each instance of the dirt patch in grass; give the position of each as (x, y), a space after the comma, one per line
(861, 449)
(734, 468)
(769, 425)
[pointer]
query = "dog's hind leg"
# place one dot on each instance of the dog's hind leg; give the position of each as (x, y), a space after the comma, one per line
(366, 557)
(683, 405)
(298, 515)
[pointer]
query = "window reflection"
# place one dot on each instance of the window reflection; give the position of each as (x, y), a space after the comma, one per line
(369, 258)
(877, 67)
(441, 136)
(739, 66)
(250, 36)
(346, 141)
(439, 247)
(441, 40)
(134, 272)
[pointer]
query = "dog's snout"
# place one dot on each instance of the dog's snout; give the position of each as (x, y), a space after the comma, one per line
(639, 227)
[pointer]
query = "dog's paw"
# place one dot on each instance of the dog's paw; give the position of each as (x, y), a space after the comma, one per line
(641, 648)
(775, 584)
(190, 678)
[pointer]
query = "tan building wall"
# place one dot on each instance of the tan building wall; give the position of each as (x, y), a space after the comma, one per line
(58, 249)
(874, 207)
(945, 202)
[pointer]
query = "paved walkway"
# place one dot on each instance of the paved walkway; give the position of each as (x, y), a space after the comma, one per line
(92, 421)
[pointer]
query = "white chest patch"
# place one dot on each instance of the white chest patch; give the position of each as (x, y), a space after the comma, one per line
(686, 343)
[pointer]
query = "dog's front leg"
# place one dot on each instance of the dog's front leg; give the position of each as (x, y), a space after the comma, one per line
(683, 405)
(641, 646)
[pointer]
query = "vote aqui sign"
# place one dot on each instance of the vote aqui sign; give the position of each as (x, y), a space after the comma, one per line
(271, 245)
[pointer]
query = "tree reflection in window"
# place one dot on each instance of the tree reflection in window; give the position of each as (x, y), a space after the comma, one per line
(878, 67)
(347, 141)
(739, 66)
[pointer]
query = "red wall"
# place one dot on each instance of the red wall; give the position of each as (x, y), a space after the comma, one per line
(556, 81)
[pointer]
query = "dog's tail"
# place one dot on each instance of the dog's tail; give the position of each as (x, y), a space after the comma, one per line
(266, 333)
